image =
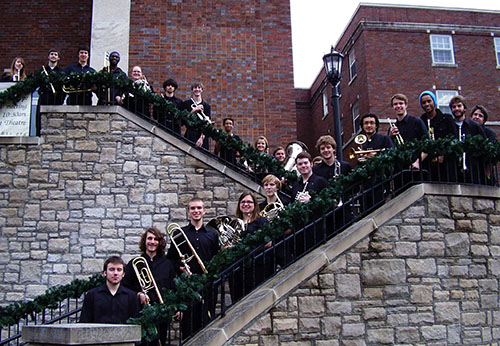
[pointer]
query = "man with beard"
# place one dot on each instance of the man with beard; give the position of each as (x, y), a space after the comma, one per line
(375, 192)
(471, 166)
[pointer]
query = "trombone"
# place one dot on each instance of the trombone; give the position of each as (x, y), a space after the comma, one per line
(179, 238)
(145, 277)
(399, 138)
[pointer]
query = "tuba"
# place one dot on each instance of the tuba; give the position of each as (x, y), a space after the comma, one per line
(229, 229)
(178, 239)
(272, 209)
(145, 277)
(292, 150)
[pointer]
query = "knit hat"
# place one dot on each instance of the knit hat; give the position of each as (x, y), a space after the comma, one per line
(431, 94)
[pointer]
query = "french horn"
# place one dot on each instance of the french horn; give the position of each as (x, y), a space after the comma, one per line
(272, 209)
(229, 229)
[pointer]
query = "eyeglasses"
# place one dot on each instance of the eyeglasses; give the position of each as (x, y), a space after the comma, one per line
(246, 202)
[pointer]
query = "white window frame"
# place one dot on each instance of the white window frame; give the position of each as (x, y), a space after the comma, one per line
(325, 104)
(443, 99)
(355, 117)
(496, 42)
(352, 65)
(440, 44)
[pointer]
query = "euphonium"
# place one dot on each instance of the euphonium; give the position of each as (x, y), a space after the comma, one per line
(201, 115)
(145, 277)
(185, 258)
(272, 209)
(229, 229)
(292, 150)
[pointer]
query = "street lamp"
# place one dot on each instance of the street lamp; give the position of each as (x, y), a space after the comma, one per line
(333, 67)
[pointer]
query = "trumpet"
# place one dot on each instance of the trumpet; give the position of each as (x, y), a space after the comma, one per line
(430, 129)
(302, 193)
(272, 209)
(145, 277)
(354, 153)
(399, 138)
(47, 74)
(185, 258)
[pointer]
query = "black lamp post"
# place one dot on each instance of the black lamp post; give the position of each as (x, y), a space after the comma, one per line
(333, 67)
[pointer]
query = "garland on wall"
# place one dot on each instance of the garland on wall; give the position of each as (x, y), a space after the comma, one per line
(295, 216)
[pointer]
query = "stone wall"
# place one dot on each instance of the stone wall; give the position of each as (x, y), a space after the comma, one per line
(428, 276)
(90, 189)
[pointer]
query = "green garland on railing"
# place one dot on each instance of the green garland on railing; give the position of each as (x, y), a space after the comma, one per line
(294, 216)
(11, 314)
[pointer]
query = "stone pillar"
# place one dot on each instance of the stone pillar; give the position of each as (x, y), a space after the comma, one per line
(82, 334)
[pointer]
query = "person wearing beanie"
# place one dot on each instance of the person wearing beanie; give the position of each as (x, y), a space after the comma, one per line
(112, 96)
(439, 124)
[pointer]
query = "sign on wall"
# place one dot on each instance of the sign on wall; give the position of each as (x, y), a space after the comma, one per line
(15, 119)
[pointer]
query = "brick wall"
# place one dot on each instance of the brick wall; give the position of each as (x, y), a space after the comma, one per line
(89, 191)
(428, 276)
(30, 28)
(241, 51)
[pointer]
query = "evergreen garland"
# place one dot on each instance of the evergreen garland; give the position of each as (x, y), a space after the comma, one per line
(295, 216)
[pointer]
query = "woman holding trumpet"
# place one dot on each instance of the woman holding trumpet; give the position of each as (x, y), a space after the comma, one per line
(161, 273)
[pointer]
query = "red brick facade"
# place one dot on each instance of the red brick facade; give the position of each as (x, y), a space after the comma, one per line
(241, 51)
(30, 28)
(393, 55)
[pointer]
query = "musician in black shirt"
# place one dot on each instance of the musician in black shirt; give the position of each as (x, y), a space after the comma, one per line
(111, 302)
(198, 106)
(224, 152)
(330, 168)
(83, 97)
(309, 181)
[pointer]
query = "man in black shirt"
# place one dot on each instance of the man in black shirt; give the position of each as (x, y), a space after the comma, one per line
(406, 128)
(111, 302)
(225, 153)
(470, 164)
(81, 97)
(198, 106)
(308, 181)
(49, 96)
(330, 168)
(205, 241)
(373, 140)
(164, 117)
(112, 95)
(480, 115)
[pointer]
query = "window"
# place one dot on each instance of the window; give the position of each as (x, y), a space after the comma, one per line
(325, 104)
(497, 50)
(442, 50)
(443, 99)
(352, 65)
(355, 117)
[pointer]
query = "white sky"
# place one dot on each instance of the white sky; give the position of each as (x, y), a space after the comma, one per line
(311, 19)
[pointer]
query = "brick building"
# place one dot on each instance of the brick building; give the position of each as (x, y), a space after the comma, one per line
(241, 51)
(407, 49)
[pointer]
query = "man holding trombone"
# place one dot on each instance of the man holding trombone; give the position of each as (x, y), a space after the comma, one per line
(150, 273)
(205, 243)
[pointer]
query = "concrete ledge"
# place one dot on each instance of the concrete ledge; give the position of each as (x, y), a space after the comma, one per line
(82, 334)
(157, 131)
(259, 302)
(27, 140)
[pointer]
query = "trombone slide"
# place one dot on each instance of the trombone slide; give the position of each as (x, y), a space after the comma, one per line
(175, 237)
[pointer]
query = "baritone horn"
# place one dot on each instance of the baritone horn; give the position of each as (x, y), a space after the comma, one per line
(145, 277)
(292, 150)
(179, 238)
